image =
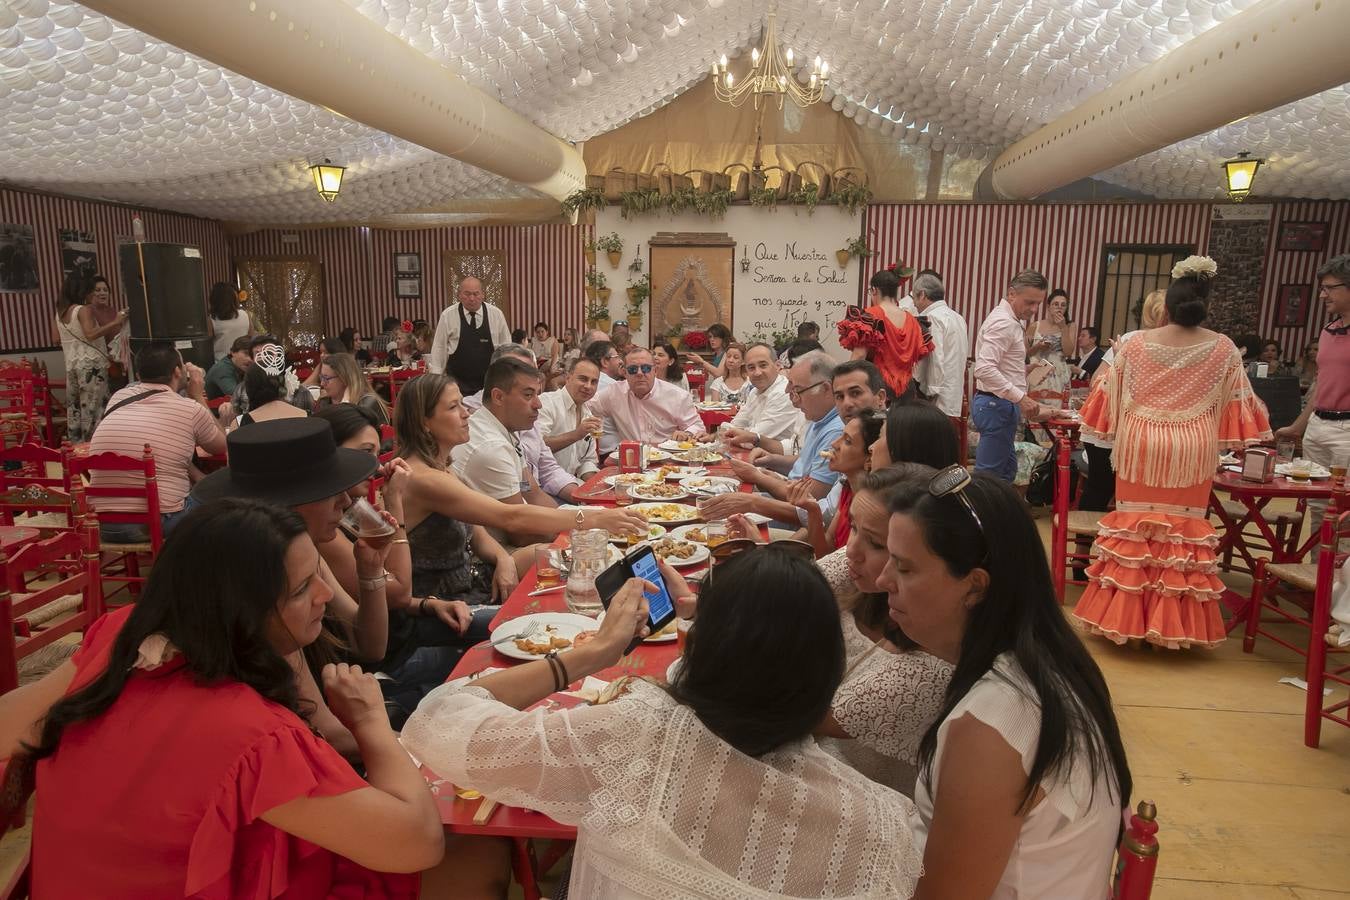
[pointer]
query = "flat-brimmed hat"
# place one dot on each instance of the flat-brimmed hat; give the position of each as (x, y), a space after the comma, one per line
(287, 462)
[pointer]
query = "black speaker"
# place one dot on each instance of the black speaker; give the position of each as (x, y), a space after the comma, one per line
(165, 289)
(1282, 397)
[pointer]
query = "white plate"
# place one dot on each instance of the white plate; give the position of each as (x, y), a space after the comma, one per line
(682, 533)
(679, 445)
(701, 555)
(631, 478)
(684, 472)
(684, 513)
(663, 637)
(1314, 470)
(710, 485)
(645, 492)
(716, 407)
(699, 455)
(654, 533)
(564, 625)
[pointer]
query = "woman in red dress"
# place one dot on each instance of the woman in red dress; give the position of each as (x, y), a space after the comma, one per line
(172, 751)
(885, 333)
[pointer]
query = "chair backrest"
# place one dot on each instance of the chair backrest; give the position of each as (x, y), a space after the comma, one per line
(398, 377)
(138, 484)
(17, 409)
(33, 479)
(1137, 857)
(69, 564)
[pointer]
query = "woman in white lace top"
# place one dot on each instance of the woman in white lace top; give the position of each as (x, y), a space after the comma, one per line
(1026, 761)
(892, 691)
(711, 788)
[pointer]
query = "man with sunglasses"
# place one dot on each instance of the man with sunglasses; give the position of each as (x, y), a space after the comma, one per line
(644, 408)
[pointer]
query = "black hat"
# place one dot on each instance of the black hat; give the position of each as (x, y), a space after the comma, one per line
(287, 462)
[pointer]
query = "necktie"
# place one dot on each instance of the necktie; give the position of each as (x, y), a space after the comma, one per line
(473, 320)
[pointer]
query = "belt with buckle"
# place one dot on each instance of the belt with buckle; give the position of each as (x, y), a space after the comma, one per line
(1333, 415)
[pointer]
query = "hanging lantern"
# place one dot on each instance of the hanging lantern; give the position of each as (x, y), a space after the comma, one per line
(1239, 174)
(327, 179)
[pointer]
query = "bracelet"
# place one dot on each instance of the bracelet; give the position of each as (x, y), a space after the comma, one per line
(555, 666)
(401, 541)
(372, 584)
(422, 607)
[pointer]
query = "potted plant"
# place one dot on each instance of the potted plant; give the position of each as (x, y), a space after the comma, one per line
(714, 203)
(673, 335)
(856, 247)
(632, 203)
(595, 279)
(597, 315)
(588, 250)
(764, 196)
(696, 341)
(586, 198)
(851, 196)
(681, 199)
(807, 195)
(612, 244)
(638, 292)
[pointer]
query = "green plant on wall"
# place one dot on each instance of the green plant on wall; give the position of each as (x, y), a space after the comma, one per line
(851, 197)
(596, 279)
(858, 247)
(714, 203)
(609, 243)
(586, 198)
(633, 203)
(807, 195)
(638, 292)
(596, 311)
(764, 196)
(681, 199)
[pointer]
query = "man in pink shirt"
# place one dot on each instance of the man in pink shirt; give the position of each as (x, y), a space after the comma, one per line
(645, 408)
(1000, 372)
(151, 411)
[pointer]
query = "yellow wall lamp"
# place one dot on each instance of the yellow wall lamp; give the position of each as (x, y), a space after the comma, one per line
(1239, 173)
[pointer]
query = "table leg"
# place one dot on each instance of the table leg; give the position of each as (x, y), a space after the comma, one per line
(523, 867)
(1060, 531)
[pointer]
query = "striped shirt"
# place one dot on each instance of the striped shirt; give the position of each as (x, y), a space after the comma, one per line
(173, 426)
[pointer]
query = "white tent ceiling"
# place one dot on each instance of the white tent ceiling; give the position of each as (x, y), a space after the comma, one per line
(91, 107)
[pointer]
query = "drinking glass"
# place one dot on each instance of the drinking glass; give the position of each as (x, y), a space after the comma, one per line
(682, 627)
(545, 569)
(622, 497)
(363, 522)
(1284, 451)
(715, 533)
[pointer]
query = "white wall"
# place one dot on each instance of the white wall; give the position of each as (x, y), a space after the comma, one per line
(793, 275)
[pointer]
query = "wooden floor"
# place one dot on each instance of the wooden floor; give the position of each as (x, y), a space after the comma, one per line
(1246, 811)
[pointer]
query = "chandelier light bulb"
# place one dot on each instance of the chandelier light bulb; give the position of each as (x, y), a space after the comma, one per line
(817, 66)
(723, 62)
(754, 56)
(824, 70)
(789, 56)
(730, 80)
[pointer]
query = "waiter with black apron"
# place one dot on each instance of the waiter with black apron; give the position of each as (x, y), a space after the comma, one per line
(466, 335)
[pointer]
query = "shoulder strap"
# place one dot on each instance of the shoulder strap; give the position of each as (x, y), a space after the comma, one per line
(127, 401)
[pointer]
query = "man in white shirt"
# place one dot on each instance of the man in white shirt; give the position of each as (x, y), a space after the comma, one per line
(942, 373)
(568, 429)
(768, 411)
(1000, 372)
(466, 334)
(645, 408)
(601, 352)
(493, 461)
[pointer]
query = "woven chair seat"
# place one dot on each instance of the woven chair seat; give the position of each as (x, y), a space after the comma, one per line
(115, 547)
(1084, 522)
(1301, 575)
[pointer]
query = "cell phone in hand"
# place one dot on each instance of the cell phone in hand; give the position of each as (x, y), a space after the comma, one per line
(642, 563)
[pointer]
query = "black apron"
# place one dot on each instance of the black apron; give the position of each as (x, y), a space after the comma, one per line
(470, 360)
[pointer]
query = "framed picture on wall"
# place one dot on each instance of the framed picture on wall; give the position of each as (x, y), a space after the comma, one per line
(1302, 236)
(408, 276)
(692, 279)
(1291, 305)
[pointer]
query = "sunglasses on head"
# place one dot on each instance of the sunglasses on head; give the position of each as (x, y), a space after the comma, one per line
(645, 369)
(953, 481)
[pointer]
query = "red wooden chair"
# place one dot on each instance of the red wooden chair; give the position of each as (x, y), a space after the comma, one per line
(400, 377)
(128, 478)
(34, 484)
(1137, 857)
(18, 412)
(51, 418)
(1079, 525)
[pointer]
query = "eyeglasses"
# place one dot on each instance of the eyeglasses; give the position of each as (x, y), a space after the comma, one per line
(645, 369)
(1328, 288)
(797, 392)
(954, 480)
(324, 379)
(622, 322)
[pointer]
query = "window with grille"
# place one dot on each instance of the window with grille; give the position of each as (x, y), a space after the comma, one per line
(285, 297)
(1129, 273)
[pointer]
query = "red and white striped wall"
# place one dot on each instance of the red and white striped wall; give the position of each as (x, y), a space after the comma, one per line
(978, 247)
(1300, 267)
(544, 269)
(26, 317)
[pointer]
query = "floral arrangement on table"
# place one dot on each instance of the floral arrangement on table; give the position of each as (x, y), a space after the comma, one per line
(1201, 267)
(696, 340)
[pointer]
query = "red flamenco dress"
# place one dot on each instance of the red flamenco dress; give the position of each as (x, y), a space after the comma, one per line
(162, 795)
(894, 349)
(1170, 412)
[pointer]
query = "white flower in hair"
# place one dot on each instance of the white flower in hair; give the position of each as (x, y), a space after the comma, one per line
(1201, 267)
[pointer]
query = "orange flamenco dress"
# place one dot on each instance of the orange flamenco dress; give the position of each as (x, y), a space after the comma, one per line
(1170, 411)
(895, 349)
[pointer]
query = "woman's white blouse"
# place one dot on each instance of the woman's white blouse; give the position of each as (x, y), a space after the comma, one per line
(666, 809)
(1068, 840)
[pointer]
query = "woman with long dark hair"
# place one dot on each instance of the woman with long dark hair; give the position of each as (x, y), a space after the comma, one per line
(228, 321)
(84, 346)
(850, 456)
(188, 695)
(892, 690)
(719, 338)
(668, 366)
(1025, 760)
(915, 431)
(885, 333)
(1174, 398)
(712, 782)
(1047, 341)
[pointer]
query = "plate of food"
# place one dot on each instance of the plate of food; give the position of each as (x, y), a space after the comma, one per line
(664, 636)
(715, 406)
(666, 513)
(660, 492)
(536, 635)
(680, 553)
(564, 556)
(654, 532)
(710, 485)
(681, 445)
(632, 478)
(675, 473)
(699, 455)
(1313, 469)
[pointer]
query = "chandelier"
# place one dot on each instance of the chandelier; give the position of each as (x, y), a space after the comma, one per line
(770, 76)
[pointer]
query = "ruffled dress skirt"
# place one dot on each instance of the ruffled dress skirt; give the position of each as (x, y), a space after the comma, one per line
(1154, 574)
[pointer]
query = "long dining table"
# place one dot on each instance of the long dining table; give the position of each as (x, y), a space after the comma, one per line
(650, 659)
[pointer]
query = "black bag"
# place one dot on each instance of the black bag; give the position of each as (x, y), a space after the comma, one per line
(1041, 487)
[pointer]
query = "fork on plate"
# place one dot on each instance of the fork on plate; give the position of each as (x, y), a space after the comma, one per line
(534, 630)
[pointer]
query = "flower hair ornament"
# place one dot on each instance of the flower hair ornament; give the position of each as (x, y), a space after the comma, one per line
(406, 327)
(1199, 267)
(900, 270)
(271, 358)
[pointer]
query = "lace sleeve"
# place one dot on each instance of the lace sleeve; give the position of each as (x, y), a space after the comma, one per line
(890, 701)
(566, 763)
(834, 566)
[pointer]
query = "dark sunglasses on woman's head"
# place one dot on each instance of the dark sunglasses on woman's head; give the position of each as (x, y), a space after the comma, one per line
(645, 369)
(954, 480)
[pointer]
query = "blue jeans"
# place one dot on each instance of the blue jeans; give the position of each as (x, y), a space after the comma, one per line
(131, 533)
(438, 649)
(996, 420)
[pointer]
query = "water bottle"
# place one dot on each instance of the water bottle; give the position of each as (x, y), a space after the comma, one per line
(137, 228)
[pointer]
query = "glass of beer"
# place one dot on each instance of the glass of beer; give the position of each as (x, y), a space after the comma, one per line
(715, 533)
(363, 522)
(622, 497)
(546, 570)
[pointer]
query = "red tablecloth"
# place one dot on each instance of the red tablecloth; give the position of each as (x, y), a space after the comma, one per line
(714, 417)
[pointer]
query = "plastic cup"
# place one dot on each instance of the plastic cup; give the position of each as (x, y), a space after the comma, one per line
(363, 522)
(682, 627)
(546, 572)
